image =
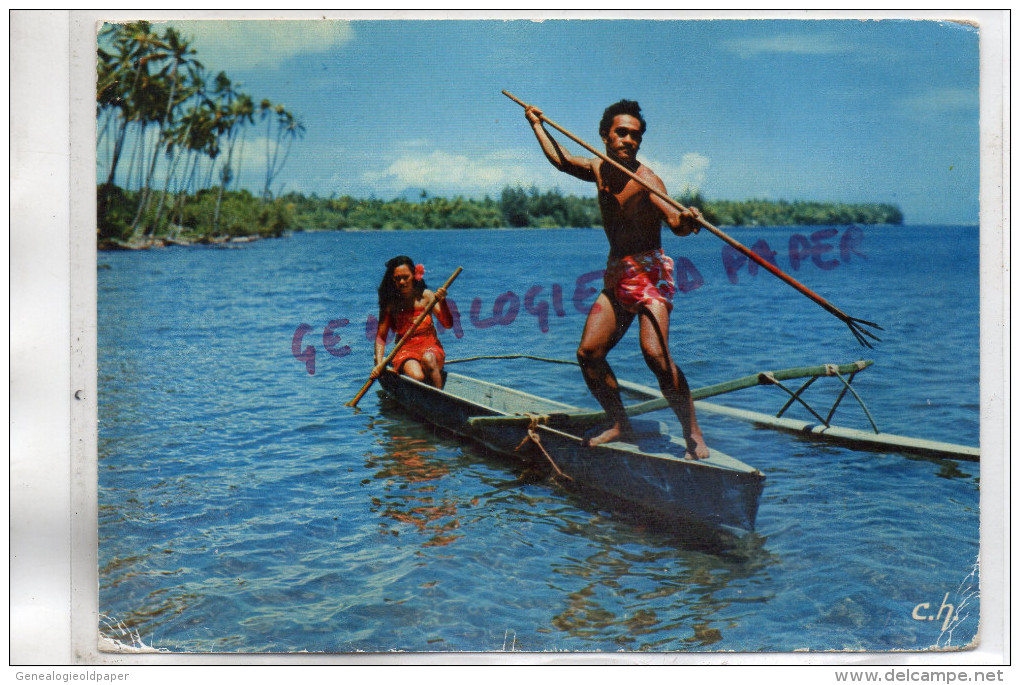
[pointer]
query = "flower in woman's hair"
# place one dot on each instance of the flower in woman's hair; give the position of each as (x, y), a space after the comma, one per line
(419, 272)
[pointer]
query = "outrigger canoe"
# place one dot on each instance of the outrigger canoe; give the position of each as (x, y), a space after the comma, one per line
(649, 473)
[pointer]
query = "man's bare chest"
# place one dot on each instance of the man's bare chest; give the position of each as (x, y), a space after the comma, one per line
(628, 198)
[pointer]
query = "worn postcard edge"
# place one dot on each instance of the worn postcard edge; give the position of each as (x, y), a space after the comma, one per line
(60, 590)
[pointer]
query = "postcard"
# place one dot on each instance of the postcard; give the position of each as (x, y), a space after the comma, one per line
(626, 336)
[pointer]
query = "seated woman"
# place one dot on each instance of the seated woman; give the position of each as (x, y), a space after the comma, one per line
(403, 296)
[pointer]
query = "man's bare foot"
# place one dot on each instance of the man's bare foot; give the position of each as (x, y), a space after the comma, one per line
(612, 434)
(700, 450)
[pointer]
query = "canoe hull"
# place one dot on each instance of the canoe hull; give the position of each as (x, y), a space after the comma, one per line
(648, 474)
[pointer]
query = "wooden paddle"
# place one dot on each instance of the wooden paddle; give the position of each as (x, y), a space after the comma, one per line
(855, 325)
(403, 339)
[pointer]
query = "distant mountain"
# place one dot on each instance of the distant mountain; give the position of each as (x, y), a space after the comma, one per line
(412, 195)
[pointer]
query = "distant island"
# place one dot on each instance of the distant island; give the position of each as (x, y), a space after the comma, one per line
(178, 131)
(210, 216)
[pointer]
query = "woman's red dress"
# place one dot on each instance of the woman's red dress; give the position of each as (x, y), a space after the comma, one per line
(424, 339)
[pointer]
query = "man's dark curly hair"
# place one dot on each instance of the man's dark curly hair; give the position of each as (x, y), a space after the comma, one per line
(629, 107)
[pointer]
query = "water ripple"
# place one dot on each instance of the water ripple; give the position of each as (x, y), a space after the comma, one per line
(243, 508)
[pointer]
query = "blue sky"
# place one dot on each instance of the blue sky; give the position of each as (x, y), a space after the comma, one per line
(827, 110)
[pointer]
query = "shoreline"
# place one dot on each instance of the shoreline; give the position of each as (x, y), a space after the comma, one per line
(117, 245)
(227, 242)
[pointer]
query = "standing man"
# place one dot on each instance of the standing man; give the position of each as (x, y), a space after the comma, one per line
(639, 276)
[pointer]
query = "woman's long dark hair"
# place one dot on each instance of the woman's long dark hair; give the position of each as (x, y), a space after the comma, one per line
(387, 291)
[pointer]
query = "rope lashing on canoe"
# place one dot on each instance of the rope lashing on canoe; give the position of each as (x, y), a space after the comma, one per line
(834, 369)
(532, 436)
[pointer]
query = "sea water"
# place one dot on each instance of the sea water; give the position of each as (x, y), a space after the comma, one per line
(244, 508)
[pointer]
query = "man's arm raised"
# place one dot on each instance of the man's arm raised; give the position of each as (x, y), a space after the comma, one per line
(581, 167)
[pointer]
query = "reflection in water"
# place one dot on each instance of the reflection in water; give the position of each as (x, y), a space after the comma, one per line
(661, 598)
(411, 455)
(239, 516)
(950, 469)
(409, 461)
(649, 584)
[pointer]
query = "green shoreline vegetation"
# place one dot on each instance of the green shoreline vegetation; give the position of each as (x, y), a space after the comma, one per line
(158, 109)
(243, 216)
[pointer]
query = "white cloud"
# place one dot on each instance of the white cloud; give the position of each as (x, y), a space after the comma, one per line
(230, 45)
(446, 173)
(689, 174)
(940, 101)
(786, 44)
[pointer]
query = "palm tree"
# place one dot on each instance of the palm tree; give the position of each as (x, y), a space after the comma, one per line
(149, 110)
(179, 53)
(243, 110)
(110, 68)
(134, 43)
(111, 92)
(179, 136)
(287, 126)
(200, 140)
(145, 78)
(234, 110)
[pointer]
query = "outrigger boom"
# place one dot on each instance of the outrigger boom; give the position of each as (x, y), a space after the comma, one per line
(823, 429)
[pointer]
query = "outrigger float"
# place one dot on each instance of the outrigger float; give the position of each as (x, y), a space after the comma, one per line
(823, 429)
(648, 472)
